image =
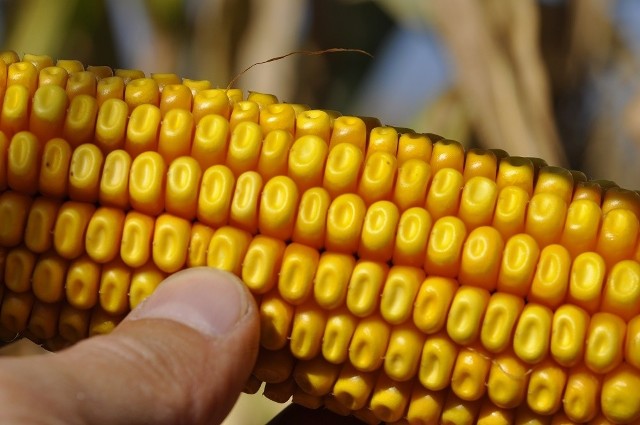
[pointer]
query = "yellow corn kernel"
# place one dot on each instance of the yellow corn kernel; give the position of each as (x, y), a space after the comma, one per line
(176, 132)
(53, 75)
(274, 155)
(425, 406)
(546, 386)
(618, 235)
(273, 366)
(459, 412)
(24, 73)
(470, 373)
(261, 264)
(443, 198)
(545, 218)
(38, 235)
(383, 139)
(337, 335)
(278, 207)
(128, 75)
(465, 315)
(175, 96)
(102, 323)
(399, 292)
(15, 310)
(198, 245)
(54, 168)
(349, 130)
(492, 415)
(411, 238)
(619, 399)
(555, 180)
(389, 399)
(147, 183)
(104, 234)
(632, 342)
(245, 201)
(49, 105)
(183, 181)
(277, 116)
(315, 377)
(569, 331)
(447, 154)
(480, 163)
(137, 233)
(82, 283)
(314, 122)
(581, 226)
(418, 146)
(586, 281)
(18, 268)
(142, 130)
(144, 281)
(621, 294)
(438, 359)
(214, 200)
(14, 116)
(510, 211)
(481, 258)
(13, 214)
(581, 399)
(73, 323)
(99, 71)
(500, 318)
(516, 171)
(551, 279)
(306, 332)
(352, 388)
(533, 331)
(81, 83)
(410, 189)
(365, 287)
(477, 202)
(115, 280)
(170, 242)
(43, 322)
(342, 169)
(79, 124)
(378, 231)
(519, 261)
(369, 343)
(84, 173)
(227, 249)
(332, 279)
(111, 125)
(307, 158)
(507, 381)
(23, 159)
(299, 265)
(114, 183)
(211, 102)
(605, 342)
(48, 279)
(110, 88)
(69, 229)
(4, 144)
(244, 147)
(378, 176)
(402, 358)
(244, 111)
(432, 303)
(345, 218)
(276, 316)
(445, 247)
(70, 65)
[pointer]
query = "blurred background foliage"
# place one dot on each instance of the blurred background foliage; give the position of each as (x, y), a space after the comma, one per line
(557, 79)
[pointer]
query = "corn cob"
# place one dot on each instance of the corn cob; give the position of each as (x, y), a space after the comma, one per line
(399, 278)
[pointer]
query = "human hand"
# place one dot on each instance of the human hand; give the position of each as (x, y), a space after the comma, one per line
(182, 356)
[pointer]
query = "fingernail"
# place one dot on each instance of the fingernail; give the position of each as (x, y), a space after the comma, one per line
(207, 300)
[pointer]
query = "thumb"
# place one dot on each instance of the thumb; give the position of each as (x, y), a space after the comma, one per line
(182, 356)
